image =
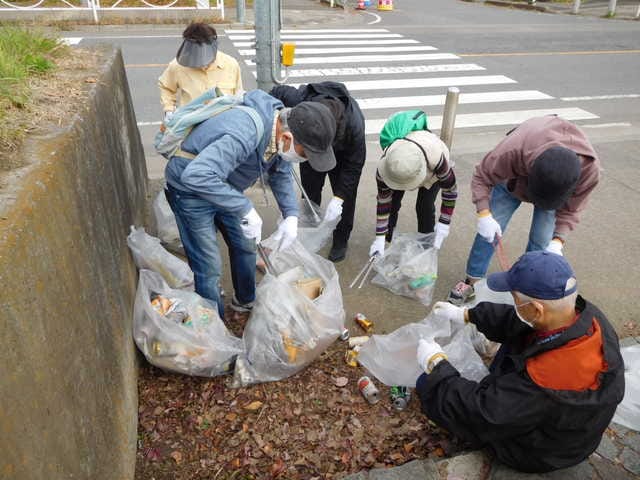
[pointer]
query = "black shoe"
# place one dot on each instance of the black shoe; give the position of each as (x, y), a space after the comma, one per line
(337, 253)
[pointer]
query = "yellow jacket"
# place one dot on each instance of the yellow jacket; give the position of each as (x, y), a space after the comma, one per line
(224, 73)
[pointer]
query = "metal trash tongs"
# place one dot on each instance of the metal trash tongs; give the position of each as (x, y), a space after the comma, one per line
(265, 258)
(366, 270)
(316, 217)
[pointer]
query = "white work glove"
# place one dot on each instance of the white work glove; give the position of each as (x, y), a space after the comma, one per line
(442, 232)
(377, 247)
(429, 354)
(334, 209)
(287, 233)
(252, 225)
(555, 246)
(450, 312)
(168, 115)
(488, 228)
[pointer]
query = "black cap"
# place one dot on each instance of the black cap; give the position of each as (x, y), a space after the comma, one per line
(553, 177)
(314, 127)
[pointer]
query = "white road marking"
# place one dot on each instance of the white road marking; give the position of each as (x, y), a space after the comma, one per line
(339, 72)
(371, 58)
(402, 83)
(608, 125)
(310, 43)
(470, 98)
(600, 97)
(376, 20)
(487, 119)
(124, 37)
(346, 36)
(330, 51)
(337, 30)
(71, 40)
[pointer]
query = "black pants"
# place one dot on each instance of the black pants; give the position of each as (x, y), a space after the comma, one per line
(313, 182)
(425, 209)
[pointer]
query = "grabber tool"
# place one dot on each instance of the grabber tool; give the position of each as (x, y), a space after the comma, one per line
(316, 217)
(265, 258)
(364, 272)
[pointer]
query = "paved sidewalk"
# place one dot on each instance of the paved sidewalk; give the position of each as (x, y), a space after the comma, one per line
(625, 9)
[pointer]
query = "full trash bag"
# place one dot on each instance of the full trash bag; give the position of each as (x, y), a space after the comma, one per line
(148, 253)
(409, 267)
(392, 358)
(288, 329)
(166, 224)
(628, 412)
(180, 331)
(314, 232)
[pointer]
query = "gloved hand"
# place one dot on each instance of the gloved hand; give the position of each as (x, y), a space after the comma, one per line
(287, 233)
(429, 354)
(377, 246)
(252, 225)
(488, 228)
(450, 312)
(168, 115)
(555, 246)
(442, 232)
(334, 209)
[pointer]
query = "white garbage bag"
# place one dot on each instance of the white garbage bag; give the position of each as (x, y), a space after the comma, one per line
(628, 412)
(314, 232)
(148, 253)
(180, 331)
(166, 224)
(287, 329)
(409, 267)
(392, 358)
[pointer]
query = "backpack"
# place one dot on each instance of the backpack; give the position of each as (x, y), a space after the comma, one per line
(207, 105)
(401, 124)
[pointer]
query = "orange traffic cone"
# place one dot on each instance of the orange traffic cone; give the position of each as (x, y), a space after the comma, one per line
(361, 5)
(385, 5)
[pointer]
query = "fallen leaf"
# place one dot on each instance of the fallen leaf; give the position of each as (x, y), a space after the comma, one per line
(231, 416)
(408, 447)
(245, 427)
(345, 458)
(397, 456)
(90, 80)
(177, 456)
(277, 468)
(253, 406)
(341, 381)
(439, 452)
(235, 463)
(157, 411)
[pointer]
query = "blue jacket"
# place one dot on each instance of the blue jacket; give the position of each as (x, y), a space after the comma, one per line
(229, 159)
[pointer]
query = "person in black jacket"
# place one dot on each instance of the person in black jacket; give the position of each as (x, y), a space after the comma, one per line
(350, 151)
(554, 384)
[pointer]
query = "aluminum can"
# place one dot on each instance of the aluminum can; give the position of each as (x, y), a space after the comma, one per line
(364, 322)
(344, 336)
(368, 390)
(400, 397)
(351, 358)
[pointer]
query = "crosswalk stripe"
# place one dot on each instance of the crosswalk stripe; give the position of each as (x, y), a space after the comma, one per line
(392, 41)
(336, 30)
(403, 83)
(340, 72)
(346, 36)
(370, 58)
(330, 51)
(465, 98)
(490, 119)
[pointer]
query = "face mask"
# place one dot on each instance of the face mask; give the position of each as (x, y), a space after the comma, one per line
(290, 155)
(526, 322)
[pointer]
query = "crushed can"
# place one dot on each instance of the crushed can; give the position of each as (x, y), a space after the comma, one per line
(400, 397)
(368, 390)
(344, 336)
(351, 358)
(363, 322)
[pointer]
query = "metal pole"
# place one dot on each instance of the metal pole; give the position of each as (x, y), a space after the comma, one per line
(612, 8)
(264, 19)
(240, 6)
(576, 7)
(449, 116)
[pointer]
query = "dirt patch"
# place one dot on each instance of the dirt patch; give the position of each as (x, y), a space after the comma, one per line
(304, 427)
(54, 99)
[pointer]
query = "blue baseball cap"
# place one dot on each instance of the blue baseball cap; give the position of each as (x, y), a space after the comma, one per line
(541, 275)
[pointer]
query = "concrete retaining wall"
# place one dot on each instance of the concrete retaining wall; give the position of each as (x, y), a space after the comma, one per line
(68, 401)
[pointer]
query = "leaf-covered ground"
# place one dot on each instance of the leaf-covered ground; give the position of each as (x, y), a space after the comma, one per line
(304, 427)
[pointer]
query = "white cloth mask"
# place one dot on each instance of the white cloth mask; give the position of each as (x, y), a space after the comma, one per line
(290, 155)
(526, 322)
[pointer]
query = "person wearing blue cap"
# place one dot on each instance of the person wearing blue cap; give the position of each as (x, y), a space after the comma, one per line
(553, 386)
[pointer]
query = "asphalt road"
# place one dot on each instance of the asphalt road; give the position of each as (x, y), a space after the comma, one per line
(509, 65)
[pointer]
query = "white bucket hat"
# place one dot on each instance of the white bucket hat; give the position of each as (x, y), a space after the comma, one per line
(410, 162)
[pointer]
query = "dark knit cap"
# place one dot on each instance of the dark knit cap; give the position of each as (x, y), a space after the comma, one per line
(553, 178)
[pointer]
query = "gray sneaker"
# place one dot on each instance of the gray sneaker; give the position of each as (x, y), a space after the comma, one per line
(238, 307)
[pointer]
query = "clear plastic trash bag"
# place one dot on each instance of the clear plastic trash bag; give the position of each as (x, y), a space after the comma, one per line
(392, 358)
(166, 224)
(149, 254)
(314, 232)
(409, 267)
(180, 331)
(287, 330)
(628, 412)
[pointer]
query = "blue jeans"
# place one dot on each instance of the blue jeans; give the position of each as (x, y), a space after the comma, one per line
(503, 205)
(198, 222)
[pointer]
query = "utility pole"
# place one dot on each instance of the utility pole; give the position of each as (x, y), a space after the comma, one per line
(267, 20)
(240, 8)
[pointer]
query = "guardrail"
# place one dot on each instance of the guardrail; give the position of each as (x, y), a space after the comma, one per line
(94, 6)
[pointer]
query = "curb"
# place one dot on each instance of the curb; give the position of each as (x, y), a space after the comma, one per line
(521, 6)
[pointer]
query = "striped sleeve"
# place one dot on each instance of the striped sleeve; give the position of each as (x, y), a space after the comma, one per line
(448, 190)
(383, 208)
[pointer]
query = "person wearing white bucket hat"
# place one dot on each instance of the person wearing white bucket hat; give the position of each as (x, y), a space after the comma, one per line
(418, 160)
